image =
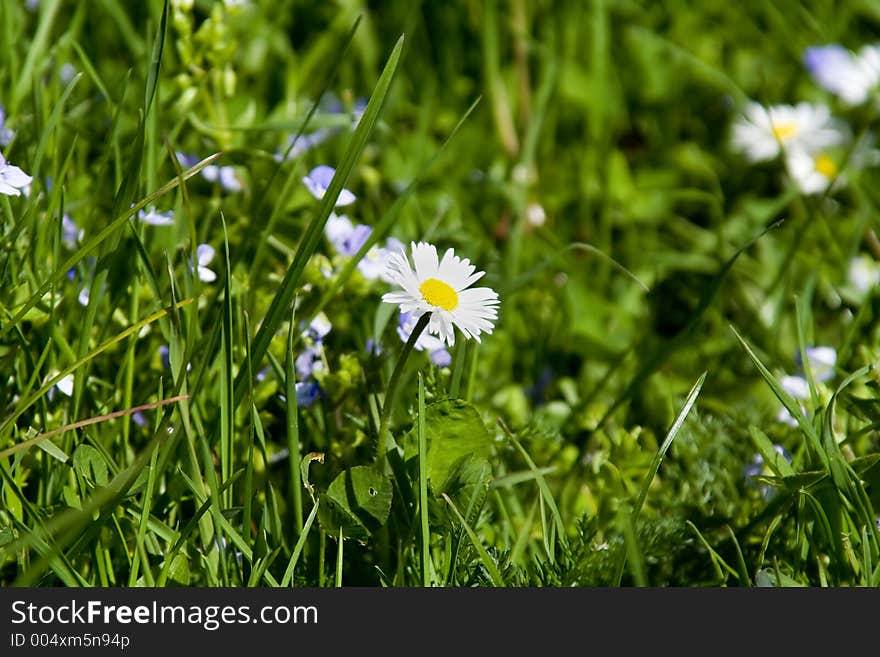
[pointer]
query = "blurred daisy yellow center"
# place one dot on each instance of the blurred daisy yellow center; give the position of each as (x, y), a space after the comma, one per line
(826, 166)
(439, 294)
(784, 130)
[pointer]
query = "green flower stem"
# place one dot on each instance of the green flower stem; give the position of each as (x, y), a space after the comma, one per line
(392, 386)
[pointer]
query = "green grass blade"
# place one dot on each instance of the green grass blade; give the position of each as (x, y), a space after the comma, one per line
(279, 307)
(491, 568)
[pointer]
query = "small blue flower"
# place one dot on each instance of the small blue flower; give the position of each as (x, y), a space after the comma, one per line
(13, 181)
(306, 393)
(70, 233)
(205, 254)
(441, 357)
(851, 77)
(357, 111)
(304, 144)
(224, 175)
(153, 217)
(139, 419)
(66, 72)
(186, 161)
(757, 467)
(373, 347)
(318, 328)
(822, 362)
(435, 347)
(164, 357)
(374, 264)
(353, 242)
(308, 362)
(318, 181)
(6, 134)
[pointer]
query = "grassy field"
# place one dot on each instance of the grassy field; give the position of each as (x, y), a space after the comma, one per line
(200, 382)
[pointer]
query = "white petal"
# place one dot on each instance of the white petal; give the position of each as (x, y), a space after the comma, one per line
(65, 385)
(425, 259)
(205, 254)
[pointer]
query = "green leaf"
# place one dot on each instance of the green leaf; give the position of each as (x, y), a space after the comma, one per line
(357, 502)
(90, 464)
(178, 572)
(458, 444)
(51, 449)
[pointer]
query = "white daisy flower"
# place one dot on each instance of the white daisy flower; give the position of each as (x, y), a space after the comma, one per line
(12, 179)
(762, 133)
(812, 172)
(440, 287)
(849, 76)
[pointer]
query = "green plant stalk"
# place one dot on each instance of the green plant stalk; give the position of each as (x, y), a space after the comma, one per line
(423, 487)
(293, 444)
(392, 386)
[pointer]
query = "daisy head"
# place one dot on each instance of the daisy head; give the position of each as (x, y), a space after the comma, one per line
(812, 172)
(442, 289)
(762, 133)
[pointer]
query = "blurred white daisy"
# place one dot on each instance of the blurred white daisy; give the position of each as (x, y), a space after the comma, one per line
(849, 76)
(761, 133)
(442, 288)
(812, 172)
(318, 181)
(12, 179)
(863, 273)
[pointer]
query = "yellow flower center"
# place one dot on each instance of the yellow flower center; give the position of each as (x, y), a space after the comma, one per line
(784, 130)
(826, 166)
(438, 293)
